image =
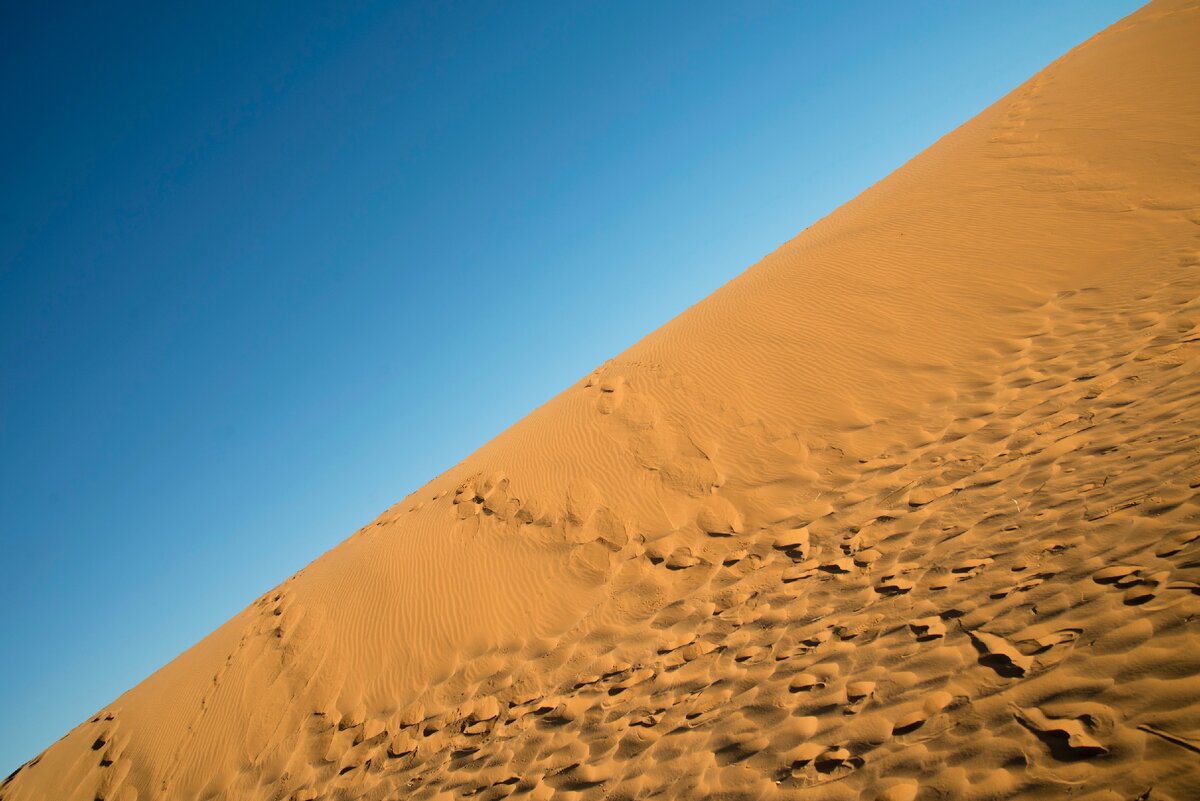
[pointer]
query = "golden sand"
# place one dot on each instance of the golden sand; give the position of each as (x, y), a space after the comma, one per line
(908, 510)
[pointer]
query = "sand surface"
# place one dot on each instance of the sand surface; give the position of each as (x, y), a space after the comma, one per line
(908, 510)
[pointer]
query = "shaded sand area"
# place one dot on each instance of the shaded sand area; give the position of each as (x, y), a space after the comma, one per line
(908, 510)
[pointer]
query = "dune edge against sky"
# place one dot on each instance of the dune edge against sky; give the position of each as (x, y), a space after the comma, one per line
(922, 476)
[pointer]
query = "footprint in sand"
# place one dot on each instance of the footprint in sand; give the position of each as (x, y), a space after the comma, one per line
(894, 585)
(838, 567)
(681, 559)
(928, 628)
(1139, 587)
(970, 568)
(1052, 648)
(401, 745)
(837, 760)
(734, 557)
(719, 518)
(867, 557)
(1068, 739)
(1176, 544)
(800, 570)
(1025, 585)
(908, 722)
(805, 683)
(1115, 574)
(612, 392)
(858, 694)
(795, 543)
(1146, 589)
(1000, 655)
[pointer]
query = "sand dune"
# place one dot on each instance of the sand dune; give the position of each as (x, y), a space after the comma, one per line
(908, 510)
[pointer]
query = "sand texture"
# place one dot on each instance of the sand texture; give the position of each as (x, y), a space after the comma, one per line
(908, 510)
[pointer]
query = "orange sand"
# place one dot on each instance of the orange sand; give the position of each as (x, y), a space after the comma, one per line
(906, 511)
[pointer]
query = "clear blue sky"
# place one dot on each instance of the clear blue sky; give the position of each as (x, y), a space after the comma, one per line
(264, 271)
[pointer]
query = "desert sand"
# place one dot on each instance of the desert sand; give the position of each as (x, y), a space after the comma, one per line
(908, 510)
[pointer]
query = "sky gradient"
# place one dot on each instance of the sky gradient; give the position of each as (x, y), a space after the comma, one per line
(266, 270)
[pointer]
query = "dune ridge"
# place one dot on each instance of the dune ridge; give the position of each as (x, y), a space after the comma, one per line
(908, 510)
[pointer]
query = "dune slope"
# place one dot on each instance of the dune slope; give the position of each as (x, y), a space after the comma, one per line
(907, 510)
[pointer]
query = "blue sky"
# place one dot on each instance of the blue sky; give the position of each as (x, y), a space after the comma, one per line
(265, 269)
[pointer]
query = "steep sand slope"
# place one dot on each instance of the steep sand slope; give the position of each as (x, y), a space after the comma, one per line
(907, 510)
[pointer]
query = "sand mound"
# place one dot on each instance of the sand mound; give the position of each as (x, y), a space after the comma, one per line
(906, 511)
